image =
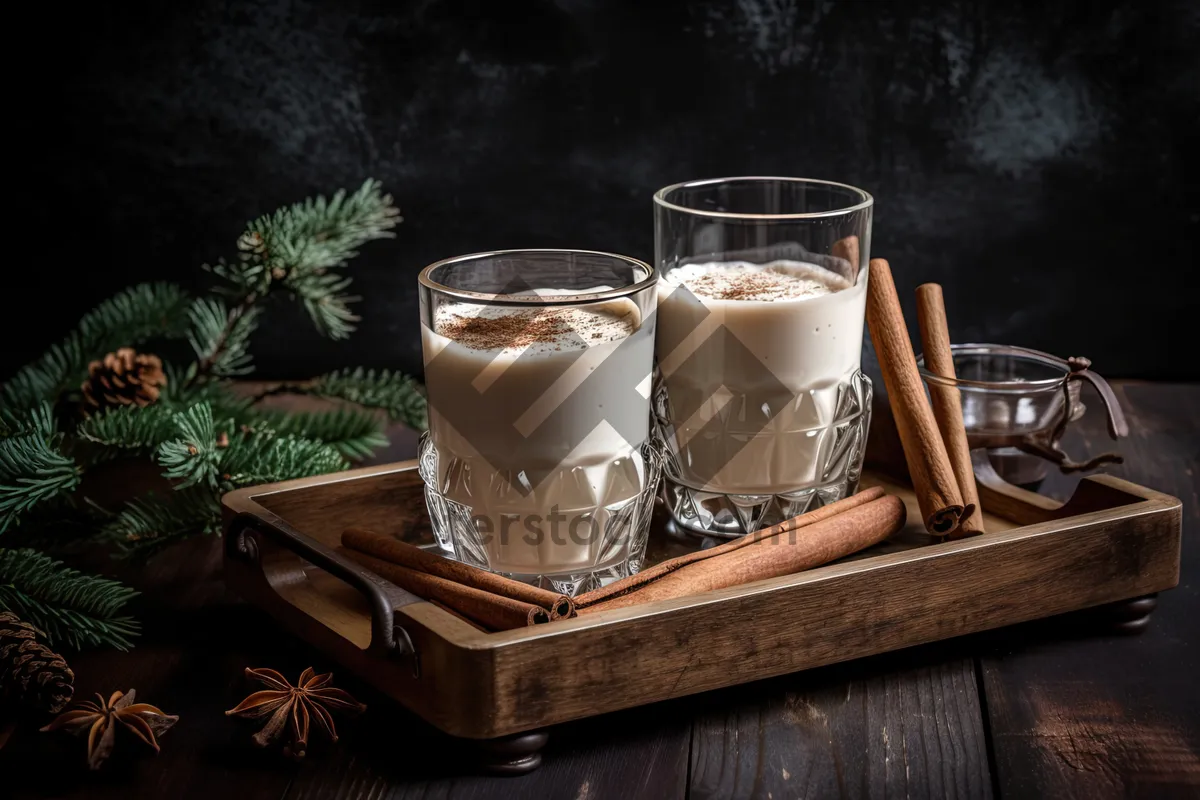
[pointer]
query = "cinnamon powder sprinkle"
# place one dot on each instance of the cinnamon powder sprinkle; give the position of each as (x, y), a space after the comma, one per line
(740, 280)
(492, 328)
(754, 285)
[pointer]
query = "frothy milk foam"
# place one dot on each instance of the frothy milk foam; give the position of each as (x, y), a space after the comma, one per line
(545, 488)
(800, 329)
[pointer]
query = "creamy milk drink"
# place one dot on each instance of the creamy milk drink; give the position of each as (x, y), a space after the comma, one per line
(759, 401)
(539, 416)
(749, 408)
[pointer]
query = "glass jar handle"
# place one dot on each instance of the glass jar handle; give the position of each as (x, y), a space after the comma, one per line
(1050, 449)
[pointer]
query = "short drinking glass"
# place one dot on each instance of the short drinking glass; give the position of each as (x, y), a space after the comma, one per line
(538, 462)
(759, 400)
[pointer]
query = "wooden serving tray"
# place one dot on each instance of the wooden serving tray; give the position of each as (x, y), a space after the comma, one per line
(1112, 541)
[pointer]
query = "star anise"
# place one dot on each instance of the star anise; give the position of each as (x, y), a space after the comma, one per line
(99, 719)
(293, 707)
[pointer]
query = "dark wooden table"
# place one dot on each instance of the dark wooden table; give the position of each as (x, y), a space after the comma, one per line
(1058, 708)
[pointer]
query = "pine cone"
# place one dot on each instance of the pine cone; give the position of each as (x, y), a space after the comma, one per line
(31, 674)
(123, 378)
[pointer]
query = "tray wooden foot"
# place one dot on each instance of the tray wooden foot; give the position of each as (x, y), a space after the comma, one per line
(511, 755)
(1129, 616)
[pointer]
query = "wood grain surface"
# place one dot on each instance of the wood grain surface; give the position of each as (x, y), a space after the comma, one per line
(907, 725)
(1051, 708)
(1091, 716)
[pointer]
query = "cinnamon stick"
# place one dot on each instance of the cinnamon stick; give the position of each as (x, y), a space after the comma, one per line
(946, 402)
(492, 611)
(459, 616)
(406, 555)
(636, 581)
(929, 467)
(821, 542)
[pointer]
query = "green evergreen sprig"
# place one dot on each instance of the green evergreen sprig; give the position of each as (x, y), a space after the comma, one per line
(297, 246)
(221, 336)
(205, 436)
(72, 608)
(150, 524)
(265, 457)
(397, 394)
(354, 433)
(126, 319)
(191, 458)
(185, 388)
(129, 430)
(33, 470)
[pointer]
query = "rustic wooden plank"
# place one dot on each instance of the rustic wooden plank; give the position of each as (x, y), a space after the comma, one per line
(1094, 716)
(903, 725)
(637, 753)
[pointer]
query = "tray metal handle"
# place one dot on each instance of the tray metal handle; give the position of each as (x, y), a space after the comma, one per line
(384, 597)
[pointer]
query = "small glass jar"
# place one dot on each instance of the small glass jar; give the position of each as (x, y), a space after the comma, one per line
(1017, 403)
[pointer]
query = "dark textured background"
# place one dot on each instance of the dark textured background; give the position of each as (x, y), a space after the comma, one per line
(1037, 158)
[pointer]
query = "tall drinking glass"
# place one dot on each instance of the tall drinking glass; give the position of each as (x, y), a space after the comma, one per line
(759, 399)
(538, 462)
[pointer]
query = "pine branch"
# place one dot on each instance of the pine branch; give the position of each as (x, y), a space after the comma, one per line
(319, 293)
(148, 525)
(394, 392)
(33, 470)
(13, 421)
(264, 457)
(324, 234)
(38, 420)
(128, 430)
(201, 464)
(354, 433)
(297, 246)
(221, 336)
(205, 437)
(185, 389)
(126, 319)
(192, 458)
(72, 608)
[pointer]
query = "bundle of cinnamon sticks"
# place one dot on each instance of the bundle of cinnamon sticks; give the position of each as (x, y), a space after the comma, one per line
(496, 603)
(484, 598)
(934, 436)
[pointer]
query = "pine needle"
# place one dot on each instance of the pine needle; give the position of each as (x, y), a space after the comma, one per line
(297, 246)
(128, 430)
(184, 390)
(33, 470)
(150, 524)
(321, 296)
(261, 457)
(72, 608)
(324, 234)
(394, 392)
(354, 433)
(221, 336)
(192, 458)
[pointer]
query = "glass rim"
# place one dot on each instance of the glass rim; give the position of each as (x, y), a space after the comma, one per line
(425, 280)
(865, 201)
(1026, 353)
